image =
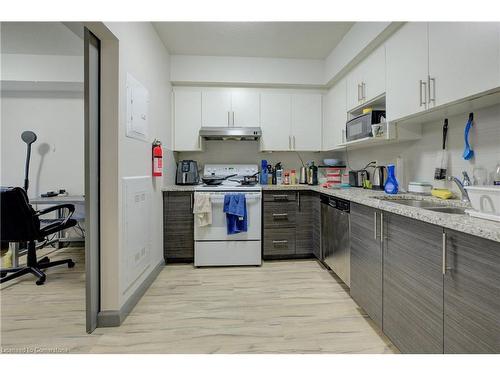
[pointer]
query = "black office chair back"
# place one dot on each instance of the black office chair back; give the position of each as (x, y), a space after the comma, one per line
(18, 219)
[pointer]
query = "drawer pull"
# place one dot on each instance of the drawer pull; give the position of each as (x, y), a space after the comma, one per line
(280, 216)
(280, 242)
(283, 197)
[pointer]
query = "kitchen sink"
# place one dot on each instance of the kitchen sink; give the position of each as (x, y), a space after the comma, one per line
(447, 210)
(426, 205)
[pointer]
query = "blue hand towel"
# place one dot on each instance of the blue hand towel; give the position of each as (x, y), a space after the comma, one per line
(235, 207)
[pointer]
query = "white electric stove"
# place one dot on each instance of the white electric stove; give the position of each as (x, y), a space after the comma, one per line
(213, 245)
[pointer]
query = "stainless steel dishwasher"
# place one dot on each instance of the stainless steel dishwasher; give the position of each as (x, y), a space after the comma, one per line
(335, 236)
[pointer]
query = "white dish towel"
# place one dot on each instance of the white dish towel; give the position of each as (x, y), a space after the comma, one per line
(202, 209)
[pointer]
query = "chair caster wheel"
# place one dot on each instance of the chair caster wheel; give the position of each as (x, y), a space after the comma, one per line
(44, 260)
(71, 264)
(3, 274)
(40, 281)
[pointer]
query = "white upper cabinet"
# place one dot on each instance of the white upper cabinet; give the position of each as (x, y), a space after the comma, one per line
(216, 108)
(373, 73)
(334, 116)
(306, 122)
(367, 80)
(463, 60)
(245, 108)
(407, 70)
(187, 120)
(276, 118)
(231, 107)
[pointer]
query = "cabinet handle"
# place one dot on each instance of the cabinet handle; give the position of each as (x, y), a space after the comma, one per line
(381, 227)
(420, 92)
(289, 142)
(375, 225)
(363, 91)
(294, 142)
(283, 197)
(432, 92)
(275, 242)
(228, 118)
(298, 200)
(191, 201)
(233, 118)
(282, 216)
(445, 267)
(359, 92)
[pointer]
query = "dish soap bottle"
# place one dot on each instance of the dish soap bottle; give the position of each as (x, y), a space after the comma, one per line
(496, 177)
(391, 184)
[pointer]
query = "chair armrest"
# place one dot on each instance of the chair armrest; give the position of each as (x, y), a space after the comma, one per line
(70, 207)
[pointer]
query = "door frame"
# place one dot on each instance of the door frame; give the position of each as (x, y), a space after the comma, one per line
(92, 182)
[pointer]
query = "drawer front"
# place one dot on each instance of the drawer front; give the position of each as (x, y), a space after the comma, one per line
(279, 241)
(282, 214)
(280, 196)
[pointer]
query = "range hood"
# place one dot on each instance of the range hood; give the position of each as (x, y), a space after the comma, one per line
(230, 133)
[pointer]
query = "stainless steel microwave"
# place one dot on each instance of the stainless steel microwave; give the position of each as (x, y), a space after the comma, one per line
(361, 126)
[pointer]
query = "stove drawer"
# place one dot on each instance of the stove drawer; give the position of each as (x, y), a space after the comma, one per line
(282, 214)
(279, 242)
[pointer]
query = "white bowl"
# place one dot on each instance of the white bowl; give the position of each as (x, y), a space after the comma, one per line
(485, 199)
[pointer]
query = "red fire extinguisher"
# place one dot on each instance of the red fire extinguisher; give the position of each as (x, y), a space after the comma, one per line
(157, 158)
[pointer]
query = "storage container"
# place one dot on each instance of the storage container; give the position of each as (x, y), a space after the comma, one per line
(485, 199)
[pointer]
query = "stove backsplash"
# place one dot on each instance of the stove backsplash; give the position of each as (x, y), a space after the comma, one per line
(223, 152)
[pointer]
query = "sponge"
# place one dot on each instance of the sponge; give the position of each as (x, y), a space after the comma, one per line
(441, 193)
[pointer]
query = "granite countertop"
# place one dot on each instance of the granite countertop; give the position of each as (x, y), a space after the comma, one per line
(462, 223)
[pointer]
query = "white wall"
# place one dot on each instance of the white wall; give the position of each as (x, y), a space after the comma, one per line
(57, 157)
(246, 70)
(420, 156)
(143, 55)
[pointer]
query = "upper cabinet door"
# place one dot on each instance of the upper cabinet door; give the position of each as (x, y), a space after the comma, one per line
(354, 88)
(407, 71)
(373, 74)
(276, 118)
(306, 122)
(463, 60)
(187, 120)
(335, 116)
(216, 108)
(245, 108)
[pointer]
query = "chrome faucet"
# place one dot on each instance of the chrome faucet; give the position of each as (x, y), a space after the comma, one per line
(465, 195)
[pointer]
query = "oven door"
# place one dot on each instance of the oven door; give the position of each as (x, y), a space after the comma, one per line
(217, 231)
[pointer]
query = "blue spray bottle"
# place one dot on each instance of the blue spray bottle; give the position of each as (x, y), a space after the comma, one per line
(263, 172)
(391, 184)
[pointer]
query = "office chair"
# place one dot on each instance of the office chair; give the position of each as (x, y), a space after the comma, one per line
(21, 223)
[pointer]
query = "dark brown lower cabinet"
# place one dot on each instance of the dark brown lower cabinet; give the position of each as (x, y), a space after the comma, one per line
(178, 226)
(471, 294)
(366, 261)
(413, 284)
(288, 221)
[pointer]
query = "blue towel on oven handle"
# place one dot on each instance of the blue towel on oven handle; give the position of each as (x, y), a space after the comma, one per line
(235, 207)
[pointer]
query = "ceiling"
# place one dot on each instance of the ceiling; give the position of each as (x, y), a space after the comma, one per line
(42, 38)
(303, 40)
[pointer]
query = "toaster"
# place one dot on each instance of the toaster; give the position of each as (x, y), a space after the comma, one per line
(187, 173)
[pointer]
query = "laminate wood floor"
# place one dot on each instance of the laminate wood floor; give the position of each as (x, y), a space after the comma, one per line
(281, 307)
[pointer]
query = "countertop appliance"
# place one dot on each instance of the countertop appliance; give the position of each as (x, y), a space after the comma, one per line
(379, 176)
(335, 236)
(361, 126)
(357, 178)
(213, 246)
(187, 173)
